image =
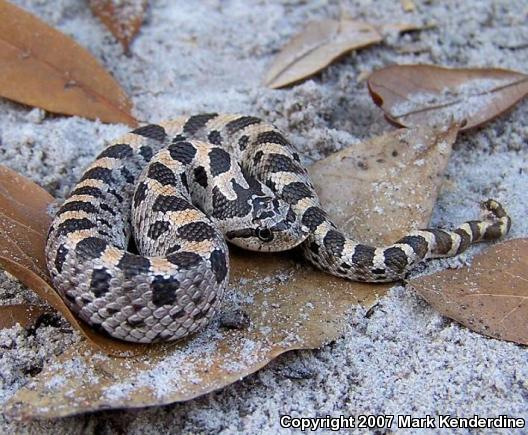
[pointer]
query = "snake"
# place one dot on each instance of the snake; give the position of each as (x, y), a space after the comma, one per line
(139, 248)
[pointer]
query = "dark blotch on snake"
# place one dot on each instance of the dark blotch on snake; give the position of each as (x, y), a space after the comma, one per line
(492, 232)
(184, 259)
(334, 242)
(146, 152)
(200, 176)
(88, 190)
(220, 161)
(183, 152)
(133, 265)
(443, 241)
(151, 131)
(257, 157)
(313, 217)
(91, 247)
(465, 240)
(183, 178)
(239, 124)
(363, 256)
(157, 229)
(196, 231)
(418, 244)
(197, 122)
(62, 252)
(71, 225)
(140, 194)
(219, 265)
(215, 137)
(282, 163)
(243, 142)
(475, 230)
(87, 207)
(294, 192)
(253, 183)
(224, 208)
(272, 137)
(117, 151)
(99, 173)
(395, 259)
(165, 203)
(100, 282)
(161, 174)
(164, 290)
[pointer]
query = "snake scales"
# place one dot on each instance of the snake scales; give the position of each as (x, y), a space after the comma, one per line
(178, 190)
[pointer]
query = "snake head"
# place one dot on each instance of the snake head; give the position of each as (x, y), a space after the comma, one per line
(274, 227)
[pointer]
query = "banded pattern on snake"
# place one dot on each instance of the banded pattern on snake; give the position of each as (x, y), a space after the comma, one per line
(184, 187)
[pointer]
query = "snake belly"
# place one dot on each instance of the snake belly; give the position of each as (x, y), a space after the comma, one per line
(184, 187)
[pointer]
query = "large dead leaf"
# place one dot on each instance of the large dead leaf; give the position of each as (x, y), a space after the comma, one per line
(378, 178)
(412, 95)
(122, 17)
(289, 304)
(42, 67)
(318, 45)
(290, 307)
(490, 296)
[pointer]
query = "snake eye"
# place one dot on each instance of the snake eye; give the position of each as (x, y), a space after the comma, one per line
(265, 234)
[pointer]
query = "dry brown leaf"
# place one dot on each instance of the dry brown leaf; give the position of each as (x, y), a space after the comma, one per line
(290, 306)
(42, 67)
(318, 45)
(413, 95)
(23, 314)
(122, 18)
(490, 296)
(379, 176)
(24, 224)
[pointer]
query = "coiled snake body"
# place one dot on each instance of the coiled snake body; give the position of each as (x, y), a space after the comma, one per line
(183, 188)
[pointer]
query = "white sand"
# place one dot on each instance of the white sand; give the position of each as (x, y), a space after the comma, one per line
(210, 56)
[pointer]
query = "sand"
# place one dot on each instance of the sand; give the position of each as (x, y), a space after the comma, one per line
(210, 56)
